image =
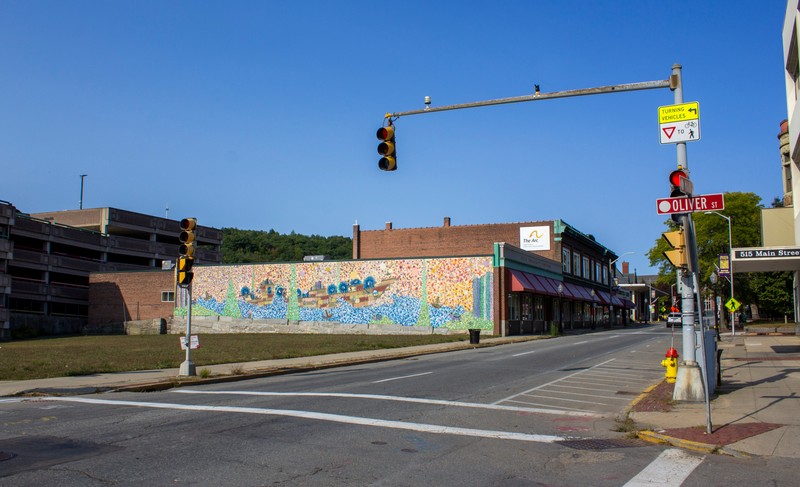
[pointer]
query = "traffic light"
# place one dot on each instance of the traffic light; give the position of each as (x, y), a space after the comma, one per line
(187, 237)
(186, 249)
(185, 273)
(680, 184)
(387, 149)
(676, 256)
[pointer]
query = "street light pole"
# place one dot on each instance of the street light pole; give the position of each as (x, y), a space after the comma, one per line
(80, 203)
(730, 253)
(610, 287)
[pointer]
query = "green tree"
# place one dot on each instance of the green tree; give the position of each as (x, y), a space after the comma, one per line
(245, 246)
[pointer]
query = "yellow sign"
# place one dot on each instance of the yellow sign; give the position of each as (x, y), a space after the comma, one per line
(732, 305)
(677, 113)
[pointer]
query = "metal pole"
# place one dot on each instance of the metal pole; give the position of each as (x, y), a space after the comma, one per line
(80, 203)
(730, 260)
(646, 85)
(187, 367)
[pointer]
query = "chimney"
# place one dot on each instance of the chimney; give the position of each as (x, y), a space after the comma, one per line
(625, 267)
(447, 221)
(388, 225)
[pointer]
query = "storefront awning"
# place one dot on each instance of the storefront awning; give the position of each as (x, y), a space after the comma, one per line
(521, 281)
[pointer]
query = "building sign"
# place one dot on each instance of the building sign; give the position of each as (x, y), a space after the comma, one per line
(725, 265)
(534, 238)
(766, 253)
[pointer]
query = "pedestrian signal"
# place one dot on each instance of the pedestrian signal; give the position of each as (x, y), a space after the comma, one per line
(185, 273)
(677, 255)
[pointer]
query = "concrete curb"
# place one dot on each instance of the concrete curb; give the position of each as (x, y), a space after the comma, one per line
(653, 437)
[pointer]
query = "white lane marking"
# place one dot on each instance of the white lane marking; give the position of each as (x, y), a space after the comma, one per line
(438, 402)
(523, 353)
(553, 382)
(13, 399)
(337, 418)
(566, 409)
(672, 467)
(403, 377)
(581, 343)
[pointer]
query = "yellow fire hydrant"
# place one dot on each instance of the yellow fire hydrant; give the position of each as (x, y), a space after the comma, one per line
(671, 364)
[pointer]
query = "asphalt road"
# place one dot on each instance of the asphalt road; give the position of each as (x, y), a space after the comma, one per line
(533, 413)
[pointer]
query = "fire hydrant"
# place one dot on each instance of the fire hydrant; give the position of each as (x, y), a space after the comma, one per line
(671, 364)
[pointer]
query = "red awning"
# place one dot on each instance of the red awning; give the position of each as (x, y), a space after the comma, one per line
(525, 282)
(604, 297)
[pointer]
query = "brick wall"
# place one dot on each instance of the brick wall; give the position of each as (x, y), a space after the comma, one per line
(442, 241)
(115, 297)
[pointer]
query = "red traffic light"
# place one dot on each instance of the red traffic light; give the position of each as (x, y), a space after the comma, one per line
(676, 176)
(385, 133)
(387, 149)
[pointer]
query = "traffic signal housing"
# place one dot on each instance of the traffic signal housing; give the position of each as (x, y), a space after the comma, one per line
(680, 184)
(386, 148)
(187, 237)
(185, 273)
(677, 255)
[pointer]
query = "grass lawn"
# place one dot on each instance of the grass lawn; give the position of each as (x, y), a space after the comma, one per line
(83, 355)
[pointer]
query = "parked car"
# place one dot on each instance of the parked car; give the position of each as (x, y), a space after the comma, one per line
(674, 319)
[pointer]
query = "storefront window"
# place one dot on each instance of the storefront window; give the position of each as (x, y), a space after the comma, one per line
(527, 307)
(513, 307)
(539, 307)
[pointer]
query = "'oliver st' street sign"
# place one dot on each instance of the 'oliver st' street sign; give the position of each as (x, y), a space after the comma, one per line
(682, 204)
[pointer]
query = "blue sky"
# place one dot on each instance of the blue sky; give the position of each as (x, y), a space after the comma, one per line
(262, 114)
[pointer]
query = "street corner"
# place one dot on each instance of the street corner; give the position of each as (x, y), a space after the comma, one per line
(696, 438)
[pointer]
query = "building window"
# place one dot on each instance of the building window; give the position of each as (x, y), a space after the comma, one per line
(586, 268)
(565, 263)
(539, 307)
(513, 307)
(576, 263)
(527, 307)
(167, 296)
(605, 276)
(597, 273)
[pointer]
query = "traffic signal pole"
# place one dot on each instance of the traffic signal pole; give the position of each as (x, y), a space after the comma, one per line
(690, 384)
(537, 96)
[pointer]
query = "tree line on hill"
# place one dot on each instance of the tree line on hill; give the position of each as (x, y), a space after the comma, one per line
(248, 246)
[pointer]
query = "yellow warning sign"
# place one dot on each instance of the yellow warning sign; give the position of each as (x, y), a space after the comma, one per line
(676, 113)
(732, 305)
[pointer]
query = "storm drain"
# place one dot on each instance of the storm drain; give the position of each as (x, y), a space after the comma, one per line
(602, 444)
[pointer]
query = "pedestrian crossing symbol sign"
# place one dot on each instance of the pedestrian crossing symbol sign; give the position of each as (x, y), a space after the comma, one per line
(732, 305)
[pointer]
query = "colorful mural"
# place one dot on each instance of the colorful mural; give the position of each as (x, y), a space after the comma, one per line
(448, 292)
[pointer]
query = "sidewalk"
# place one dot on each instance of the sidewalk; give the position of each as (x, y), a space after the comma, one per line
(756, 408)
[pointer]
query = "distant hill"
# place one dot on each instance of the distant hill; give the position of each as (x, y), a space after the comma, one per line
(241, 246)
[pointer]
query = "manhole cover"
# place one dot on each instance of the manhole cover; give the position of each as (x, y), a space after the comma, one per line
(602, 444)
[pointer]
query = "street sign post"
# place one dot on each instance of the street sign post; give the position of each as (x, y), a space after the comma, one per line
(682, 204)
(679, 123)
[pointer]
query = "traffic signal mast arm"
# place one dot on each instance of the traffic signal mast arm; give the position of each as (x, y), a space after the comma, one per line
(645, 85)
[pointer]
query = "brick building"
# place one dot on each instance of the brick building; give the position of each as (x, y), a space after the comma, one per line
(548, 272)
